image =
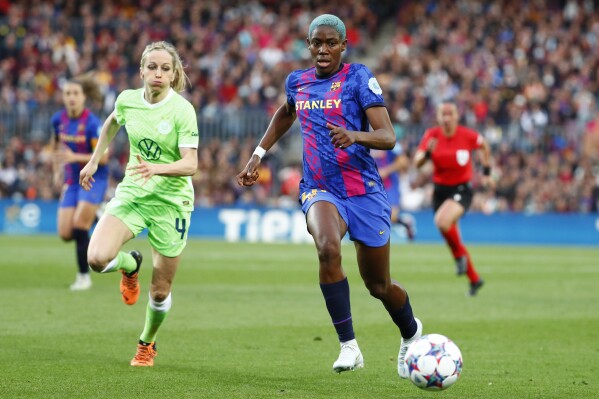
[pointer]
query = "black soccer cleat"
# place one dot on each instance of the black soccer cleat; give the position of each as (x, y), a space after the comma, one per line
(474, 287)
(138, 258)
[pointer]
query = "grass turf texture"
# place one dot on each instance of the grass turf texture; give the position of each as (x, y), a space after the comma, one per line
(249, 321)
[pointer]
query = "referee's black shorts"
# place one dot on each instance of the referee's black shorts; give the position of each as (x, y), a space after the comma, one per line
(461, 193)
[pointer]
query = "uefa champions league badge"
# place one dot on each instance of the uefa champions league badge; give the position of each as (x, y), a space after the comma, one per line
(373, 85)
(164, 127)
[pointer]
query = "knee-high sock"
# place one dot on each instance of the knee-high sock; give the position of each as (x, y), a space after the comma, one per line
(155, 314)
(458, 249)
(123, 261)
(81, 242)
(454, 241)
(404, 319)
(336, 297)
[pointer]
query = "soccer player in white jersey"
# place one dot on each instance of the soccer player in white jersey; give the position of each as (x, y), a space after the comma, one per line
(156, 192)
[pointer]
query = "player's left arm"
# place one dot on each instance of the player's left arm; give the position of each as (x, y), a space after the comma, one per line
(382, 137)
(104, 159)
(186, 166)
(188, 140)
(69, 156)
(485, 159)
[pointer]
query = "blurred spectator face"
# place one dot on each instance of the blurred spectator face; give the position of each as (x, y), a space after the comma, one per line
(73, 98)
(447, 116)
(326, 47)
(157, 71)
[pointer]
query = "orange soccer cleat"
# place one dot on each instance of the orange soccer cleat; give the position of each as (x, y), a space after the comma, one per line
(130, 282)
(146, 352)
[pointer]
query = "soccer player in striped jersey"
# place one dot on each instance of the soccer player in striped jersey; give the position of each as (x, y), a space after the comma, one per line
(74, 137)
(156, 192)
(341, 191)
(389, 164)
(449, 146)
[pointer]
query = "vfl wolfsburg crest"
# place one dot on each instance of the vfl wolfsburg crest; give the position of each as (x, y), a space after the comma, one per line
(164, 127)
(149, 149)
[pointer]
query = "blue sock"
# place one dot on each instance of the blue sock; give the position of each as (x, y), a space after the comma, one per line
(82, 242)
(404, 319)
(336, 296)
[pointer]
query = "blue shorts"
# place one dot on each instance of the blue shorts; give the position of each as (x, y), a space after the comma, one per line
(368, 217)
(393, 196)
(72, 194)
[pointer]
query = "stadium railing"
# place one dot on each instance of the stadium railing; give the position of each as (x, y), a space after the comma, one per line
(251, 123)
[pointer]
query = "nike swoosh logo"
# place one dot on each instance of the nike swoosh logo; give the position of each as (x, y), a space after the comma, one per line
(301, 88)
(381, 232)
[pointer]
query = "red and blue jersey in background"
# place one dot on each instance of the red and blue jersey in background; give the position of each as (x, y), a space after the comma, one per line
(80, 135)
(342, 100)
(384, 158)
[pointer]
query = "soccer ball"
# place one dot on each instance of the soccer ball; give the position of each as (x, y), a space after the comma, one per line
(434, 362)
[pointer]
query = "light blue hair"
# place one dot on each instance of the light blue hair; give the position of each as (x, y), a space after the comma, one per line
(328, 20)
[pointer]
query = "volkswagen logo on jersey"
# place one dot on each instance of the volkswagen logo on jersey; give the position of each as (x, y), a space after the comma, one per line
(149, 149)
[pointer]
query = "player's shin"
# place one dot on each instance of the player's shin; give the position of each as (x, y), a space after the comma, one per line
(336, 296)
(156, 312)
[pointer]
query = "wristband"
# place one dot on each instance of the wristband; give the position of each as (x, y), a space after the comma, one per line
(428, 154)
(487, 170)
(259, 151)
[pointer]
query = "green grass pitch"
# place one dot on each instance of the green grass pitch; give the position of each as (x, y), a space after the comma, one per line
(249, 321)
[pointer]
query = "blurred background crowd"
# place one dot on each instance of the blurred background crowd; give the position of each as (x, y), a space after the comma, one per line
(524, 74)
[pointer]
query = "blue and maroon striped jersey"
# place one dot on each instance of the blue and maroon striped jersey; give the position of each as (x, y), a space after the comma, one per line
(340, 99)
(384, 158)
(81, 136)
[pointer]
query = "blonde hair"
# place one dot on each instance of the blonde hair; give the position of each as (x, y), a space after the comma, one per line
(181, 79)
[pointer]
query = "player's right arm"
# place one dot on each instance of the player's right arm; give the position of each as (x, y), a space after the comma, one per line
(425, 149)
(279, 125)
(109, 129)
(401, 163)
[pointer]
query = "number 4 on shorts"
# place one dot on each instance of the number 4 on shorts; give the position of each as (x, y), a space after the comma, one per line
(182, 228)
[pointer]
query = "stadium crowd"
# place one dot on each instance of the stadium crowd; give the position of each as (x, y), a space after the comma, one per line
(524, 74)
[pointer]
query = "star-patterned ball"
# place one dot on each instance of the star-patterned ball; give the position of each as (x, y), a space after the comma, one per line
(434, 362)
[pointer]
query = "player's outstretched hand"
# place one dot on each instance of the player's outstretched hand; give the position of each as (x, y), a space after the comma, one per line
(86, 175)
(143, 169)
(340, 137)
(248, 176)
